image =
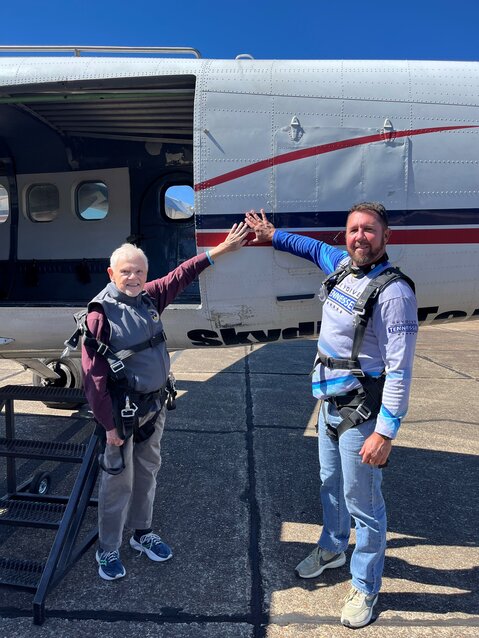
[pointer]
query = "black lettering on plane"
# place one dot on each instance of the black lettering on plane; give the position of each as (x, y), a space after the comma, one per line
(450, 315)
(203, 338)
(422, 313)
(273, 335)
(230, 337)
(303, 330)
(233, 338)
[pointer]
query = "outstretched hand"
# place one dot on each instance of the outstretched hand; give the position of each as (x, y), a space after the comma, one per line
(236, 239)
(264, 230)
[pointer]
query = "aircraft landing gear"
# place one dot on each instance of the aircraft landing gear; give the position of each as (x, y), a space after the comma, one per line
(40, 484)
(69, 371)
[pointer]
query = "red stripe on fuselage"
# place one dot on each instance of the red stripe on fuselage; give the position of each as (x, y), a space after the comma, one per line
(292, 156)
(398, 236)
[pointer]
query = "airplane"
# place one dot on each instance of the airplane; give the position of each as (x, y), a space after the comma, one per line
(99, 147)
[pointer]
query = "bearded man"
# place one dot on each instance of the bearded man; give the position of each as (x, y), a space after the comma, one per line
(362, 375)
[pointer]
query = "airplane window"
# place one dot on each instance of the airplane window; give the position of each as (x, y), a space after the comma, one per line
(92, 200)
(4, 204)
(43, 202)
(179, 202)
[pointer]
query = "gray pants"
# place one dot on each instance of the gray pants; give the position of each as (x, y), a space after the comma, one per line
(127, 499)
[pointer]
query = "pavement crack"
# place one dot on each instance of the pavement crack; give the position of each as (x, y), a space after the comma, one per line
(257, 591)
(445, 367)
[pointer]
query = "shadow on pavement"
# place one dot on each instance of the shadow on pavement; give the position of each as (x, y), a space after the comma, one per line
(238, 499)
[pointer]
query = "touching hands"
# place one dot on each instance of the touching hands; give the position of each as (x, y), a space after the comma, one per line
(236, 239)
(264, 230)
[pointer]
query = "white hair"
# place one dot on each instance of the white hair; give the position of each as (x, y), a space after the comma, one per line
(127, 251)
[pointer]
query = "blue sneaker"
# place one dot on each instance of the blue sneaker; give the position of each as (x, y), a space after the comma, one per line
(109, 565)
(152, 545)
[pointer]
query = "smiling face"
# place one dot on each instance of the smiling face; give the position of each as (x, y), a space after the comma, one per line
(129, 274)
(366, 237)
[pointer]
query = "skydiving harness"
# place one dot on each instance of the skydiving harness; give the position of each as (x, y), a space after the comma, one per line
(359, 405)
(128, 405)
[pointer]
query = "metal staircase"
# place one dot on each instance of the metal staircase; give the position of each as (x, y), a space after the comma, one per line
(65, 514)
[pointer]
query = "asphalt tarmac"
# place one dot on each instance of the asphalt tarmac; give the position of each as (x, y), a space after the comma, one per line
(238, 501)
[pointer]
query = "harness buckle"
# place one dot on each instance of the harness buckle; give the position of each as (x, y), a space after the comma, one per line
(129, 411)
(357, 372)
(363, 411)
(117, 366)
(102, 348)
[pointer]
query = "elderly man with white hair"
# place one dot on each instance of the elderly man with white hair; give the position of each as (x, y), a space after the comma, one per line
(126, 369)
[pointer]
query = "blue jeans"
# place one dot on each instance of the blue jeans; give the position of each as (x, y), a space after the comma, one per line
(352, 488)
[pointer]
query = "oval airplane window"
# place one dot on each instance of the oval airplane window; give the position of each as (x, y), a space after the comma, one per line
(179, 202)
(43, 202)
(4, 204)
(92, 201)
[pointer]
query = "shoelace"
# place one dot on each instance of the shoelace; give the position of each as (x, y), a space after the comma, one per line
(355, 596)
(109, 557)
(150, 539)
(353, 593)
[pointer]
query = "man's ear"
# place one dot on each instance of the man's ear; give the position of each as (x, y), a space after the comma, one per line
(109, 270)
(387, 235)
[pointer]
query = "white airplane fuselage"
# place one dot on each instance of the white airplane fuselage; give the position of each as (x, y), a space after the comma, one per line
(302, 139)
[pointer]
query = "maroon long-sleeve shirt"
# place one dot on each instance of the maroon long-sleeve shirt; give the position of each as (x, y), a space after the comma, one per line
(163, 291)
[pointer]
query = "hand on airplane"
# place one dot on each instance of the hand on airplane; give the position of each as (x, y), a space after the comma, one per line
(263, 229)
(375, 450)
(112, 438)
(236, 239)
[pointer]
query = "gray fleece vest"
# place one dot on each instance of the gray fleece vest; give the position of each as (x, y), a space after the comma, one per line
(133, 320)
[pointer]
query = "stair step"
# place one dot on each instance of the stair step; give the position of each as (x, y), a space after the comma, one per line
(31, 513)
(47, 450)
(42, 393)
(16, 572)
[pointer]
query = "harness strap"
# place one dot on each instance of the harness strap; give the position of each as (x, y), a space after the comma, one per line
(114, 359)
(363, 307)
(334, 279)
(149, 343)
(129, 406)
(339, 364)
(357, 406)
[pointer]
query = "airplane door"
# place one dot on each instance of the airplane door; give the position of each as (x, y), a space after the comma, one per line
(166, 231)
(8, 221)
(333, 179)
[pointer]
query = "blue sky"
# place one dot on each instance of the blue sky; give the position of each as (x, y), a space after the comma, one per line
(345, 29)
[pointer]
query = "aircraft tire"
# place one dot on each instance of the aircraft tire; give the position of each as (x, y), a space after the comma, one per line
(70, 377)
(40, 484)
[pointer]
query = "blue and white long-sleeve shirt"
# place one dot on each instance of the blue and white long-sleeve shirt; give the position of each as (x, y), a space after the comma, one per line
(389, 340)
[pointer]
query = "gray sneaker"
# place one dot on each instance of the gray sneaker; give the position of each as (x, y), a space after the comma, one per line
(358, 608)
(315, 564)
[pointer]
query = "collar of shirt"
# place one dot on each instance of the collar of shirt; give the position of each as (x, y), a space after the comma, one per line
(361, 271)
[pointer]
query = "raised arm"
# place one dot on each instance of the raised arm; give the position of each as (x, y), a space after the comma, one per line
(165, 289)
(235, 240)
(323, 255)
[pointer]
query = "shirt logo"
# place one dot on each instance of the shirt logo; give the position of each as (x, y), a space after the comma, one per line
(405, 327)
(154, 314)
(342, 300)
